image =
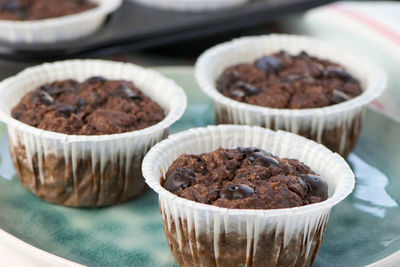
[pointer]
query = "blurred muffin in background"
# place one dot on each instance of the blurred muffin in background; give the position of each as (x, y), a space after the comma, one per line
(49, 21)
(42, 9)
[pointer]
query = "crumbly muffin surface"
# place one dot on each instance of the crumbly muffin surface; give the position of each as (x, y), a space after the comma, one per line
(96, 106)
(244, 178)
(285, 81)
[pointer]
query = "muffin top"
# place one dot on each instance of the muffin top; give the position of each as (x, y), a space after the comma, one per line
(41, 9)
(285, 81)
(94, 107)
(244, 178)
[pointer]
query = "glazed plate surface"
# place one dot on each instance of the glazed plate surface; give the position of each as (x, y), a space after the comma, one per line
(361, 230)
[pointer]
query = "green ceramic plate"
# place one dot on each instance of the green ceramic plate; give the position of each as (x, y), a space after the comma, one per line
(362, 229)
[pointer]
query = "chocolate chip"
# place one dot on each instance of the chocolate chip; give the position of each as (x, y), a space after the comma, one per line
(236, 191)
(269, 64)
(41, 98)
(126, 92)
(81, 104)
(333, 72)
(45, 88)
(179, 178)
(241, 89)
(303, 55)
(226, 79)
(339, 96)
(67, 88)
(95, 79)
(317, 186)
(52, 90)
(285, 55)
(258, 157)
(237, 92)
(249, 88)
(261, 158)
(264, 161)
(249, 150)
(231, 154)
(17, 115)
(66, 110)
(246, 150)
(303, 184)
(12, 6)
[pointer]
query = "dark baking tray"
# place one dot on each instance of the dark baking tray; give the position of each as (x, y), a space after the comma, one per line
(134, 27)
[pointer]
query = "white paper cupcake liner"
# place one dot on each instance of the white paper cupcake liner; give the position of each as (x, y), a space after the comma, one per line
(86, 170)
(191, 5)
(344, 119)
(200, 234)
(58, 29)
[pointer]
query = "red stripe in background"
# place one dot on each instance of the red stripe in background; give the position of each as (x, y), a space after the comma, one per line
(376, 25)
(377, 104)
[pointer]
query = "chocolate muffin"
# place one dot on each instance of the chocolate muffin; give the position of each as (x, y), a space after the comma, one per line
(245, 206)
(285, 81)
(244, 178)
(320, 93)
(94, 107)
(82, 144)
(42, 9)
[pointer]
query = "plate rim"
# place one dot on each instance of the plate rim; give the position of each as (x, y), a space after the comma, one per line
(24, 249)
